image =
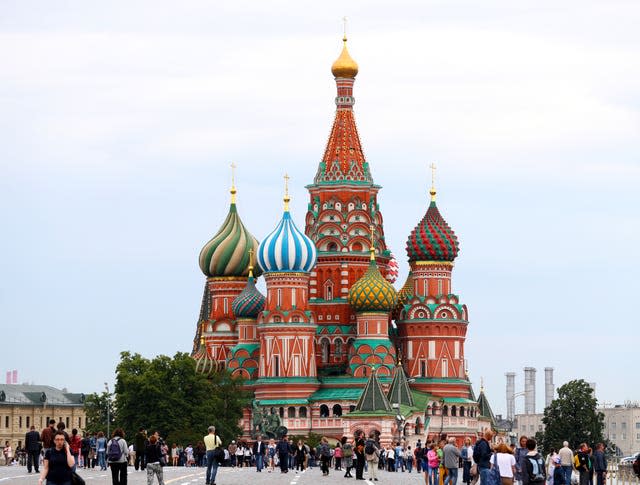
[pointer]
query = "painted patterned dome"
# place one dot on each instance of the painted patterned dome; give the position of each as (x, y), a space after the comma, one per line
(227, 253)
(392, 270)
(372, 293)
(287, 248)
(405, 293)
(204, 363)
(432, 239)
(249, 302)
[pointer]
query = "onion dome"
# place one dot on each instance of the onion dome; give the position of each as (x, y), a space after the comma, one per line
(405, 293)
(372, 293)
(204, 363)
(392, 270)
(250, 301)
(287, 248)
(227, 253)
(432, 239)
(344, 66)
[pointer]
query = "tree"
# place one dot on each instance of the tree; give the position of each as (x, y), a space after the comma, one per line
(573, 417)
(95, 407)
(166, 394)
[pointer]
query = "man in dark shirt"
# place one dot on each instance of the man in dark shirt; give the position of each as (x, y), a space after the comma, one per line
(482, 455)
(600, 464)
(47, 435)
(32, 446)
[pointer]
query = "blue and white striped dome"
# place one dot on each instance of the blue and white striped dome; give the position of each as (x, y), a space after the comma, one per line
(287, 249)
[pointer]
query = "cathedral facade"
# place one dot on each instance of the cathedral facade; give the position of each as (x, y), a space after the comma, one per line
(333, 347)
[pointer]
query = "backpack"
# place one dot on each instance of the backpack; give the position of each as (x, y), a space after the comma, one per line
(114, 452)
(369, 449)
(536, 469)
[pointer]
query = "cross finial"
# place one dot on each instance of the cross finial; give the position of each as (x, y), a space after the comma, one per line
(233, 182)
(433, 181)
(251, 263)
(372, 248)
(286, 192)
(482, 384)
(344, 29)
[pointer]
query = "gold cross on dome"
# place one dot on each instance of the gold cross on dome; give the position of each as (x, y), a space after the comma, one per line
(251, 263)
(233, 182)
(433, 181)
(286, 192)
(344, 28)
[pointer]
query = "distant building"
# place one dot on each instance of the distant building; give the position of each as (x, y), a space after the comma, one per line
(528, 424)
(24, 405)
(622, 427)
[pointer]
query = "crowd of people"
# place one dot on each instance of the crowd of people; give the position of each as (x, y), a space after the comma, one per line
(60, 454)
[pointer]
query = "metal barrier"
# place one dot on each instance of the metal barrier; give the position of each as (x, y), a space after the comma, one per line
(621, 475)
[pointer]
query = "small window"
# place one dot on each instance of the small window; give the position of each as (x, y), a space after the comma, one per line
(302, 412)
(337, 410)
(281, 412)
(324, 411)
(291, 412)
(445, 411)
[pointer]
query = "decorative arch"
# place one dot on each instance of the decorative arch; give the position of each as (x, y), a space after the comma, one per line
(291, 412)
(445, 410)
(324, 411)
(337, 410)
(461, 410)
(454, 411)
(325, 350)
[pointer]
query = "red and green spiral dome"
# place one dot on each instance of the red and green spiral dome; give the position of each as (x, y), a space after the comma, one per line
(432, 239)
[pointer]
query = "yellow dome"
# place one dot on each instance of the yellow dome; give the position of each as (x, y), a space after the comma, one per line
(344, 66)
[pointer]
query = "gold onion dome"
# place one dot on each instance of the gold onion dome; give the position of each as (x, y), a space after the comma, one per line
(345, 66)
(204, 363)
(372, 292)
(404, 295)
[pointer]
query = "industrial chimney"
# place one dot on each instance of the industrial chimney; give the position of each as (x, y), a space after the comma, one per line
(511, 395)
(549, 388)
(529, 390)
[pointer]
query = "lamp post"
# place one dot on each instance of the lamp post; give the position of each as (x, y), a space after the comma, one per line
(106, 388)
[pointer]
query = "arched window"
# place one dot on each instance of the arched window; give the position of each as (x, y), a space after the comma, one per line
(324, 348)
(291, 412)
(332, 247)
(337, 410)
(324, 411)
(357, 246)
(434, 410)
(302, 412)
(281, 412)
(418, 425)
(461, 410)
(352, 408)
(445, 411)
(454, 411)
(338, 348)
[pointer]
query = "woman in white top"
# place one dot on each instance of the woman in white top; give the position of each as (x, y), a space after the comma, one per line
(506, 463)
(239, 455)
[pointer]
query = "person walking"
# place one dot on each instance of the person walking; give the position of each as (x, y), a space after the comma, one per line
(347, 451)
(8, 453)
(467, 461)
(506, 464)
(408, 459)
(75, 444)
(283, 454)
(140, 443)
(359, 452)
(337, 455)
(32, 446)
(58, 462)
(325, 456)
(520, 453)
(85, 450)
(47, 435)
(271, 453)
(259, 451)
(482, 456)
(566, 461)
(600, 464)
(582, 464)
(211, 442)
(154, 460)
(451, 456)
(372, 454)
(301, 456)
(117, 457)
(533, 469)
(101, 450)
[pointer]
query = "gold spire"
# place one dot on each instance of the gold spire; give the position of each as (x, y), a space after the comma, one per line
(286, 199)
(251, 263)
(372, 248)
(433, 182)
(345, 66)
(233, 183)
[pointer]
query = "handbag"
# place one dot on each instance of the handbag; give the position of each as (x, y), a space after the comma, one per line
(474, 470)
(77, 479)
(494, 472)
(218, 452)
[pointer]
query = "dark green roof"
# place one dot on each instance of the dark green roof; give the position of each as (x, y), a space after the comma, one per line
(283, 402)
(399, 391)
(373, 398)
(35, 395)
(485, 408)
(337, 394)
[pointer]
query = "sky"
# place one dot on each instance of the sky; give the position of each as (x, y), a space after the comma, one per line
(119, 120)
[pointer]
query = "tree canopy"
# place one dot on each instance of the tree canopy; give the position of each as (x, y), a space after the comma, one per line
(95, 407)
(166, 394)
(572, 417)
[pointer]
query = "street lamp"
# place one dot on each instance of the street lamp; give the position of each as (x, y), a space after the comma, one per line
(106, 388)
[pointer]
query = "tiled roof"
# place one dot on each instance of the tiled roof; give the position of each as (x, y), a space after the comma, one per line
(36, 395)
(337, 394)
(485, 408)
(399, 391)
(373, 398)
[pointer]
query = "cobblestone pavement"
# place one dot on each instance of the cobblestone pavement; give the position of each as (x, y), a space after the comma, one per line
(17, 475)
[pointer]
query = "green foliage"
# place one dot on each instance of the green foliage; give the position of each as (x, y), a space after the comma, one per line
(95, 407)
(166, 394)
(573, 417)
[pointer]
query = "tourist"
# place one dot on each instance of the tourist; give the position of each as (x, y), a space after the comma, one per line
(520, 453)
(337, 454)
(93, 453)
(399, 455)
(506, 463)
(325, 456)
(482, 456)
(32, 445)
(600, 464)
(347, 453)
(418, 454)
(359, 452)
(175, 454)
(140, 442)
(232, 453)
(582, 464)
(85, 450)
(247, 455)
(118, 462)
(259, 450)
(301, 455)
(47, 435)
(283, 454)
(271, 453)
(372, 454)
(566, 461)
(211, 442)
(533, 470)
(558, 472)
(75, 444)
(451, 455)
(467, 461)
(550, 463)
(8, 453)
(61, 427)
(408, 459)
(154, 460)
(101, 447)
(58, 462)
(199, 451)
(390, 456)
(239, 453)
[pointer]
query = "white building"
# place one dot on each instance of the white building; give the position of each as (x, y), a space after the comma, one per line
(622, 426)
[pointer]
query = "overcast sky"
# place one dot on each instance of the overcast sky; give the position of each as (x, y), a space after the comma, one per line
(118, 121)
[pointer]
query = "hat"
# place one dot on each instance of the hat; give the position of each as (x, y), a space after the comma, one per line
(557, 460)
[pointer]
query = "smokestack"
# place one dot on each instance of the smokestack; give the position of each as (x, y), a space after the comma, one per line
(511, 395)
(549, 388)
(529, 390)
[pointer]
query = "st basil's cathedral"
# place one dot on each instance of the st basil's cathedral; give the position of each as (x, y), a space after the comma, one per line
(333, 347)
